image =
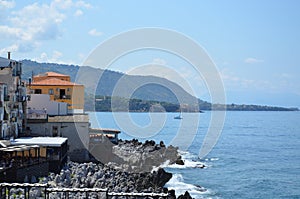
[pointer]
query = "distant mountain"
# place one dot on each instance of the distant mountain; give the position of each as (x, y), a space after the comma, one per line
(33, 68)
(146, 88)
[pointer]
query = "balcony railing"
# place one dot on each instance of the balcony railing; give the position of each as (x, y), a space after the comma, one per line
(62, 97)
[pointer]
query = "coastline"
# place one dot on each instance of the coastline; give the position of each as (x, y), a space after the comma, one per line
(119, 177)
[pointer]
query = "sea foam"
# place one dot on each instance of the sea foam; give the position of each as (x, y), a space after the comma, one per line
(190, 161)
(177, 183)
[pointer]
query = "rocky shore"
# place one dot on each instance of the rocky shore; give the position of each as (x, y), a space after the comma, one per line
(92, 175)
(135, 156)
(136, 170)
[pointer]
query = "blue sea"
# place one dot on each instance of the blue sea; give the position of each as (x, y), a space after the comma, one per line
(257, 154)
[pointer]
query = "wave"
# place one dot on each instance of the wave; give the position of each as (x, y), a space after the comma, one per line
(190, 161)
(188, 164)
(211, 159)
(177, 183)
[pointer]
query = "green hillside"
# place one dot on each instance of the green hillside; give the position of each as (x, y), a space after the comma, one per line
(149, 91)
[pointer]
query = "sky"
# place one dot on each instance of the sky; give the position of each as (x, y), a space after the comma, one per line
(254, 44)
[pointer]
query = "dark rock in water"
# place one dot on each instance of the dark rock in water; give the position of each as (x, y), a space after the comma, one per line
(185, 196)
(199, 188)
(162, 144)
(179, 161)
(162, 177)
(165, 190)
(171, 194)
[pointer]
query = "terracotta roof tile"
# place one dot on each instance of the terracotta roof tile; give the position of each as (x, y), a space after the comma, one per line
(54, 82)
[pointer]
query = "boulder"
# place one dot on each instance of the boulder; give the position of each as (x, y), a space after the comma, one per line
(161, 177)
(171, 194)
(185, 196)
(179, 161)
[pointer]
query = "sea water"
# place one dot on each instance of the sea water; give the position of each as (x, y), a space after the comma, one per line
(257, 154)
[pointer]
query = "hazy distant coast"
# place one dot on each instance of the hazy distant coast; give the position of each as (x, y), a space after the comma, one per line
(104, 104)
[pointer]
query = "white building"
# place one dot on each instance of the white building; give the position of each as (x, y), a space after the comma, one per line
(12, 99)
(73, 127)
(43, 102)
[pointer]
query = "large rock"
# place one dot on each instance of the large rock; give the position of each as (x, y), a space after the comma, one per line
(185, 196)
(179, 161)
(134, 156)
(161, 177)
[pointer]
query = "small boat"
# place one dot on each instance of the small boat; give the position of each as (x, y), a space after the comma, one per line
(178, 117)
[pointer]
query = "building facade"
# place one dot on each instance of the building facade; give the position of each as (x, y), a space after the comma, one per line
(74, 127)
(12, 99)
(60, 89)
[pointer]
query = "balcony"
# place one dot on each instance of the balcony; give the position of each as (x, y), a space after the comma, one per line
(68, 97)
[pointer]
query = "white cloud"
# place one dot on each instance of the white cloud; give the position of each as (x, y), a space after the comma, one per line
(94, 32)
(56, 55)
(12, 48)
(159, 61)
(67, 4)
(28, 27)
(31, 25)
(6, 4)
(78, 13)
(252, 60)
(62, 4)
(54, 58)
(83, 4)
(43, 57)
(10, 32)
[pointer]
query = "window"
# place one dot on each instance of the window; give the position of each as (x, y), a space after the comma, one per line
(37, 91)
(54, 131)
(50, 91)
(62, 94)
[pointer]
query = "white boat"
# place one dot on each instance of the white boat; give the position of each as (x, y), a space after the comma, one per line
(178, 117)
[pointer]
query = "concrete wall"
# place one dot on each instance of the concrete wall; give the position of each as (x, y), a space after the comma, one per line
(42, 101)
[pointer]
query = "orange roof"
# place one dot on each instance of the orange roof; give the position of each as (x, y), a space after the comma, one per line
(52, 74)
(54, 82)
